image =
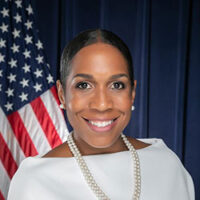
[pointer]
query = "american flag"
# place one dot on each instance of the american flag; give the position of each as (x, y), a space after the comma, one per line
(31, 121)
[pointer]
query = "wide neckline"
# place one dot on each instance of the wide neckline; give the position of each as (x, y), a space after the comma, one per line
(153, 141)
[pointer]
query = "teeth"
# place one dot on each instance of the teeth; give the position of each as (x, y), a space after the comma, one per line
(101, 124)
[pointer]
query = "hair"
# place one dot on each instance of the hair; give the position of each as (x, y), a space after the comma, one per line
(87, 38)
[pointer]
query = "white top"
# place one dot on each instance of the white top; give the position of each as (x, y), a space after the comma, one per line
(163, 176)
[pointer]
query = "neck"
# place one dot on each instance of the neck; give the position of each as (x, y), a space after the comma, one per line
(86, 149)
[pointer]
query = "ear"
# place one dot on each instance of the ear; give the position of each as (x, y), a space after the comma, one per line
(61, 93)
(133, 91)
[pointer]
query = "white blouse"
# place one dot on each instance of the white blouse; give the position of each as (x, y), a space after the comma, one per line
(163, 176)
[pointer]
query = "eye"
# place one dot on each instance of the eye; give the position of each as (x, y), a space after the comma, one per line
(118, 85)
(83, 85)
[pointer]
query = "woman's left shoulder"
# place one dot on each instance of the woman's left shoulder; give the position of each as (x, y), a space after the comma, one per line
(157, 151)
(163, 162)
(138, 144)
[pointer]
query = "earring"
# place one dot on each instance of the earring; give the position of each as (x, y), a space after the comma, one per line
(132, 108)
(62, 106)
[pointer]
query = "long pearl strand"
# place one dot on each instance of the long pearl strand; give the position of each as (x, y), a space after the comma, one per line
(90, 179)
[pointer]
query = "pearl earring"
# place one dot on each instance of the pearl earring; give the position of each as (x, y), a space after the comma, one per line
(132, 108)
(62, 106)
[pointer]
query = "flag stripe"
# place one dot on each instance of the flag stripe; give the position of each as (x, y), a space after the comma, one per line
(7, 158)
(22, 135)
(1, 196)
(55, 114)
(34, 129)
(55, 94)
(4, 185)
(10, 138)
(46, 122)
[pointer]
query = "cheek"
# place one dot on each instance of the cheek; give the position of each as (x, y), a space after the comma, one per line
(73, 107)
(123, 102)
(74, 102)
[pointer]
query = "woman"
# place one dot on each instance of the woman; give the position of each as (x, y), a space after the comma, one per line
(97, 89)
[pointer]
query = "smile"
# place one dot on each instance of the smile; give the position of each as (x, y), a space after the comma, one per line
(101, 125)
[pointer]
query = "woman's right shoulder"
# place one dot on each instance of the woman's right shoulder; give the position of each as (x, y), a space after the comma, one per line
(60, 151)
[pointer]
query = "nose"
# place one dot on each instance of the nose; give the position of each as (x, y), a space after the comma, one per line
(101, 100)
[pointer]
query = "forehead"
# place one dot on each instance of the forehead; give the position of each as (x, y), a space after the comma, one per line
(99, 58)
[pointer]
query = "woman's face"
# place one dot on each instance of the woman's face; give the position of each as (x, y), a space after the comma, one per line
(98, 95)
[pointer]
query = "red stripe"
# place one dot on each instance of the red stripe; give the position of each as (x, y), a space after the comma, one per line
(1, 196)
(54, 91)
(6, 158)
(55, 94)
(46, 122)
(22, 135)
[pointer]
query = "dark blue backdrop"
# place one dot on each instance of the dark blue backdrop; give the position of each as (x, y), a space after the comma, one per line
(164, 38)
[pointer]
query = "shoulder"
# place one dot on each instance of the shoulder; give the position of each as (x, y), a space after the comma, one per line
(138, 144)
(24, 174)
(167, 167)
(155, 150)
(162, 158)
(35, 175)
(60, 151)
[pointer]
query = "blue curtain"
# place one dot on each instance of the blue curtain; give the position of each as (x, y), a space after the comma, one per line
(164, 39)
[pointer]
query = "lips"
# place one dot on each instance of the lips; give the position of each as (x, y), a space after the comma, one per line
(101, 125)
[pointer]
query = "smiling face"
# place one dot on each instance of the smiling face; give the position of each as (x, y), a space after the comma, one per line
(98, 96)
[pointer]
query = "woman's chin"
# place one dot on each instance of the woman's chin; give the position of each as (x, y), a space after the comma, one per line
(105, 144)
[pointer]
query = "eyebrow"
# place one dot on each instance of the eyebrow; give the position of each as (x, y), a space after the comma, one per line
(88, 76)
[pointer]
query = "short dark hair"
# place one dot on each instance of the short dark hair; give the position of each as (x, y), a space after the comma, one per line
(87, 38)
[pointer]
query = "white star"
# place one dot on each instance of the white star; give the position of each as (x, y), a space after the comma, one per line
(9, 106)
(23, 97)
(27, 53)
(0, 87)
(2, 58)
(1, 73)
(19, 3)
(2, 43)
(24, 82)
(28, 39)
(4, 28)
(39, 59)
(13, 63)
(18, 18)
(50, 78)
(26, 68)
(11, 77)
(4, 12)
(10, 92)
(28, 24)
(38, 73)
(37, 87)
(16, 33)
(29, 9)
(15, 48)
(39, 45)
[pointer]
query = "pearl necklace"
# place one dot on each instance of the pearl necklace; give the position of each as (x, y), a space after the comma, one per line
(90, 179)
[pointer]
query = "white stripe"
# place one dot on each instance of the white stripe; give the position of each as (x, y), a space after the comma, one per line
(56, 114)
(34, 129)
(4, 181)
(10, 138)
